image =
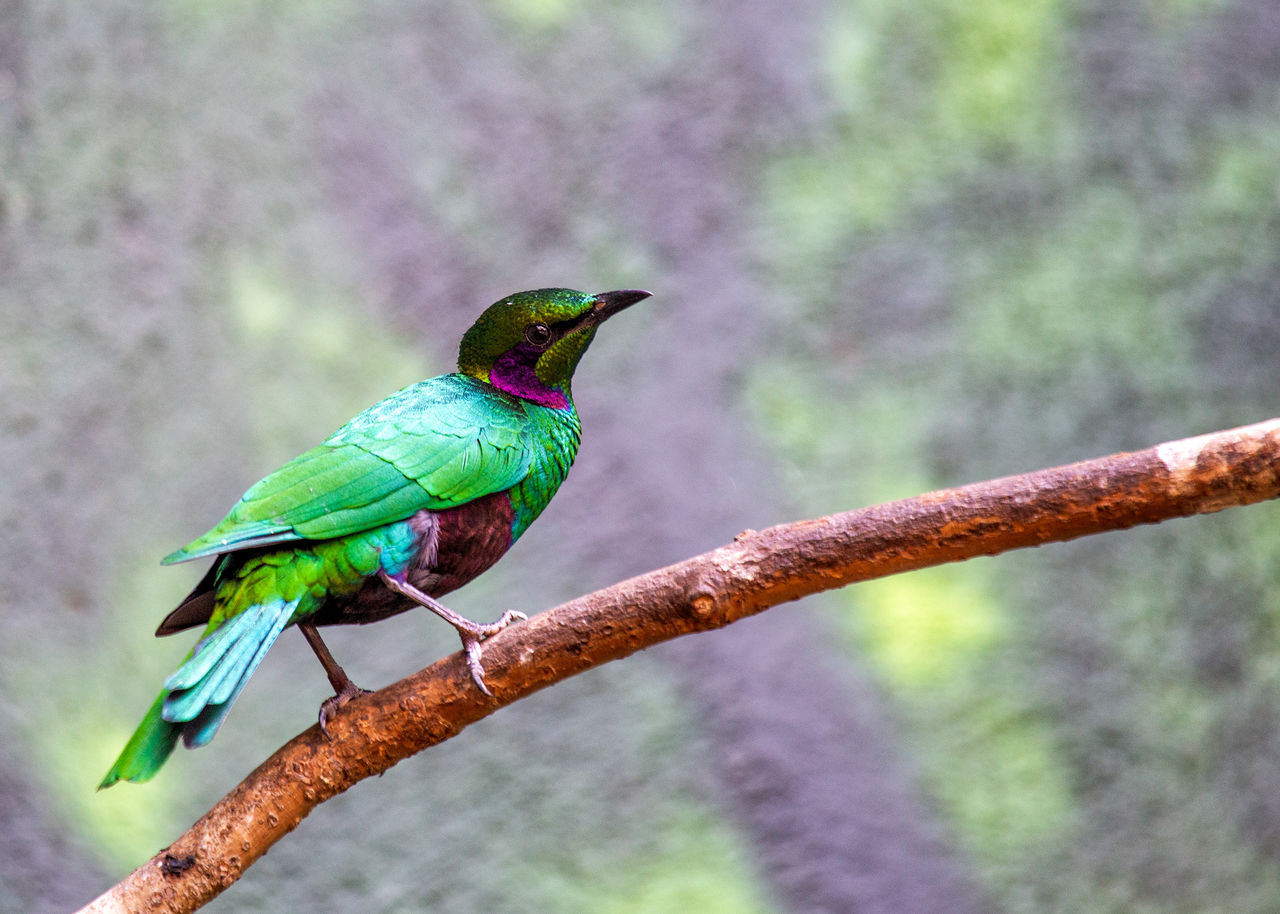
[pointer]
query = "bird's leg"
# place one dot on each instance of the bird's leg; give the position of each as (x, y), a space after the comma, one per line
(344, 689)
(471, 633)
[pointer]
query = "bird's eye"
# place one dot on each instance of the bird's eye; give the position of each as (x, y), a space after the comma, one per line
(537, 335)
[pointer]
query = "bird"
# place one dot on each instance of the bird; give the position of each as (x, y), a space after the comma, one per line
(408, 501)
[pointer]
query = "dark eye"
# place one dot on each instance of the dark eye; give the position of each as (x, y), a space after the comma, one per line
(537, 335)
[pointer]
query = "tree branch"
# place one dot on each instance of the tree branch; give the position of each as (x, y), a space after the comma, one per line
(756, 571)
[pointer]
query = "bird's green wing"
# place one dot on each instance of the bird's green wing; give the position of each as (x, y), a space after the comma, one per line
(434, 444)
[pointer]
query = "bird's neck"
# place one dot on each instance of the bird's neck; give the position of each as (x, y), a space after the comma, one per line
(556, 433)
(515, 372)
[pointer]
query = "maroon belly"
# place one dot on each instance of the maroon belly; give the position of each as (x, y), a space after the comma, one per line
(471, 538)
(455, 546)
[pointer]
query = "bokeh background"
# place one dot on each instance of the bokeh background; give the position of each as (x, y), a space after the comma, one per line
(894, 245)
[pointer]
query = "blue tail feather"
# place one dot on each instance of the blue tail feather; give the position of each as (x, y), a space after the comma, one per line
(192, 684)
(204, 688)
(235, 668)
(210, 649)
(218, 663)
(201, 729)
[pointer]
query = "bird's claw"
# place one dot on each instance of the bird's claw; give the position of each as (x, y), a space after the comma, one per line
(334, 702)
(471, 644)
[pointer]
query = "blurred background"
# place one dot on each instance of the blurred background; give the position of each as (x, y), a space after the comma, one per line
(894, 245)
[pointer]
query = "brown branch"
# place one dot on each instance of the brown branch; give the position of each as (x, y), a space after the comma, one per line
(754, 572)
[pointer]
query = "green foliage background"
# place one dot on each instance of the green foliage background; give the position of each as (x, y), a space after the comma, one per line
(894, 246)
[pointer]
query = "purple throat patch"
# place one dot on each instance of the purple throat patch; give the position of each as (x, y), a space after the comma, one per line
(514, 372)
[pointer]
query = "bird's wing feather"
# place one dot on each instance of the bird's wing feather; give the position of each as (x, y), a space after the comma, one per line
(434, 445)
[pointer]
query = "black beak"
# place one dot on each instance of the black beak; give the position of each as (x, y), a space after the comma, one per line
(610, 303)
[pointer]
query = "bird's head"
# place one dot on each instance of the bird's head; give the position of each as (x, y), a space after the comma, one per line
(529, 343)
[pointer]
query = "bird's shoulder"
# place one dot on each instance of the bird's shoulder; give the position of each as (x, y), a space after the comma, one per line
(451, 405)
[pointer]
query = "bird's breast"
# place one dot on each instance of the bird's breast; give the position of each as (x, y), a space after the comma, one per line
(469, 539)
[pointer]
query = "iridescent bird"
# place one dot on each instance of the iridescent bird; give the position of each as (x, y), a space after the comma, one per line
(408, 501)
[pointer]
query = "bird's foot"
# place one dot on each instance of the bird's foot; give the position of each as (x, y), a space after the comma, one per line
(472, 633)
(334, 702)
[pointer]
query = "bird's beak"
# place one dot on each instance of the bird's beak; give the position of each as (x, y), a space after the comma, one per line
(610, 303)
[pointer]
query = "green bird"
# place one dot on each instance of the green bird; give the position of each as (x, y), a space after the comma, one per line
(411, 499)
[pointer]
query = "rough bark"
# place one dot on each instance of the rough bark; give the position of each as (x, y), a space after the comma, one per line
(758, 570)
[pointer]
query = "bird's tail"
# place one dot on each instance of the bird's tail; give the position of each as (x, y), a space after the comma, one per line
(147, 749)
(197, 697)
